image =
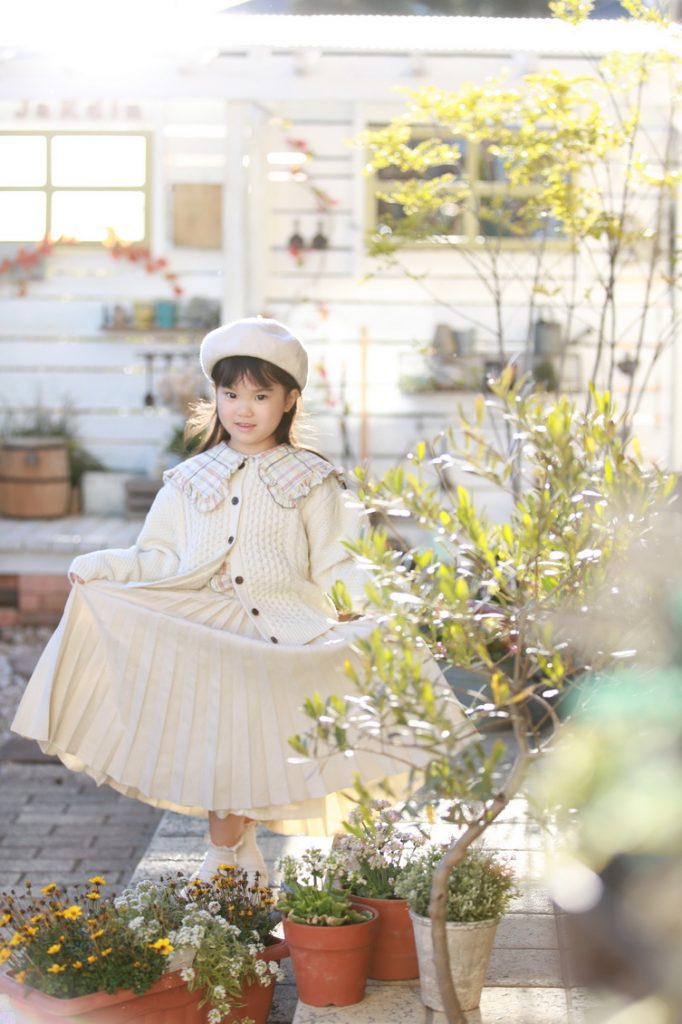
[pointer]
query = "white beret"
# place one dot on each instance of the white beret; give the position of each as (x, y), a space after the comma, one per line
(259, 337)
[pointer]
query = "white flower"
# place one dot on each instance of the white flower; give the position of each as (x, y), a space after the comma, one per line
(136, 923)
(219, 992)
(214, 907)
(187, 974)
(214, 1016)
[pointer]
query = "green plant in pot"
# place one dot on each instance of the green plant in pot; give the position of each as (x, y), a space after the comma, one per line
(372, 856)
(330, 939)
(221, 934)
(42, 461)
(479, 890)
(39, 422)
(77, 953)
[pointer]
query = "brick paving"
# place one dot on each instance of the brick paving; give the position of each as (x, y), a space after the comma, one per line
(58, 826)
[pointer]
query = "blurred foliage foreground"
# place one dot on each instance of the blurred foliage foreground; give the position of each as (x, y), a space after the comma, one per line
(538, 611)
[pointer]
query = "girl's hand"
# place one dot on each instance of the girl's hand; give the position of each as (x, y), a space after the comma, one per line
(75, 578)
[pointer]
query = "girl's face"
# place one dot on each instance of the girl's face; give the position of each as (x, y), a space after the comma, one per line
(251, 413)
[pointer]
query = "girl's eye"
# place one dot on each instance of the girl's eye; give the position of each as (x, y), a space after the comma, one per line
(229, 394)
(261, 398)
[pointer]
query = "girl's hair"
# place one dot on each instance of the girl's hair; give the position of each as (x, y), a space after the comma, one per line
(204, 430)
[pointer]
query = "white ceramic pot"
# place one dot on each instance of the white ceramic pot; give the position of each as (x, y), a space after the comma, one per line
(469, 946)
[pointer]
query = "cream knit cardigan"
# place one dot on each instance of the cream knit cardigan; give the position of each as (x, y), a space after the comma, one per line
(273, 522)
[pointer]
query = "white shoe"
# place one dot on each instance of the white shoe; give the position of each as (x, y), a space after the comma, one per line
(244, 855)
(213, 858)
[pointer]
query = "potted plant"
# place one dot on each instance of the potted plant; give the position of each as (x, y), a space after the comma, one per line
(478, 893)
(75, 954)
(330, 940)
(42, 462)
(226, 947)
(372, 857)
(71, 953)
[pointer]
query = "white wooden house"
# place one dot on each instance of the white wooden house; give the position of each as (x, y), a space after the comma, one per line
(219, 100)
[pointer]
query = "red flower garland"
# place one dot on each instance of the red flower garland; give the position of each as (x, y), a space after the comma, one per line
(26, 259)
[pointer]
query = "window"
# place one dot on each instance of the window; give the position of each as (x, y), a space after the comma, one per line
(486, 208)
(79, 186)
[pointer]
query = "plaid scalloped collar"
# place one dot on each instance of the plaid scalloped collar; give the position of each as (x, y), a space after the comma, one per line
(288, 473)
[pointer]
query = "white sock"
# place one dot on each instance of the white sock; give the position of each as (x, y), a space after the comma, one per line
(250, 856)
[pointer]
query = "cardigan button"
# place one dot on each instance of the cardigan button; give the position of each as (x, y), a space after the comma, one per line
(239, 579)
(254, 611)
(230, 540)
(274, 639)
(235, 501)
(241, 464)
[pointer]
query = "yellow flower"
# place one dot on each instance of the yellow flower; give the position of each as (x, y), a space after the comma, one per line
(16, 939)
(98, 934)
(76, 965)
(107, 951)
(55, 948)
(227, 867)
(55, 969)
(36, 918)
(97, 880)
(162, 945)
(20, 977)
(91, 959)
(5, 919)
(92, 896)
(72, 913)
(30, 931)
(47, 889)
(4, 955)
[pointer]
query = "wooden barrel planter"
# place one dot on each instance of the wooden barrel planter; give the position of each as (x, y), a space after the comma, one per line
(34, 478)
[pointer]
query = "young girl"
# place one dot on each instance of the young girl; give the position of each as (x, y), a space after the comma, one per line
(180, 665)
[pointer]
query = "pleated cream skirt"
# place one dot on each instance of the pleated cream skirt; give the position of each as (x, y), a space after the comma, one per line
(173, 697)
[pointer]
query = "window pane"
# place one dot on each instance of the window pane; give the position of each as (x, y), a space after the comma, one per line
(490, 165)
(22, 216)
(97, 160)
(448, 220)
(505, 216)
(23, 160)
(89, 216)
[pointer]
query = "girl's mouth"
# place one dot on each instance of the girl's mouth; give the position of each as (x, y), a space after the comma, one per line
(245, 426)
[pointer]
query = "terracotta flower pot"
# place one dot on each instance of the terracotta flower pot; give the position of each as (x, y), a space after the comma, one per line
(168, 1001)
(394, 955)
(331, 964)
(257, 998)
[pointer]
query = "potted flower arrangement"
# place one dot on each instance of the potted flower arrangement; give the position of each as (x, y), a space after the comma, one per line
(478, 893)
(330, 940)
(76, 954)
(225, 939)
(372, 856)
